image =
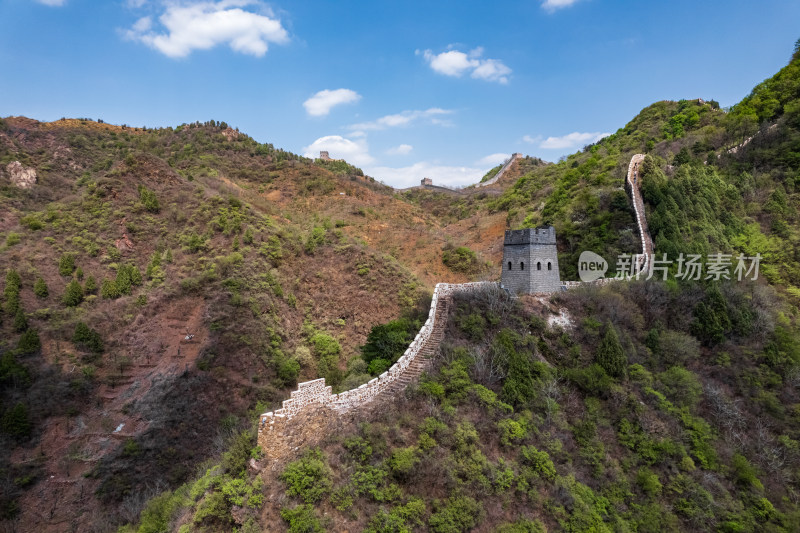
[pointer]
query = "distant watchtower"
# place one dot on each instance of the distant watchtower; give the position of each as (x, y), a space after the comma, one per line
(530, 261)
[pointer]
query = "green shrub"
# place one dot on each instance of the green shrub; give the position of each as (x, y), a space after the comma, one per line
(539, 462)
(20, 322)
(373, 481)
(128, 276)
(681, 386)
(159, 512)
(308, 477)
(11, 371)
(302, 519)
(388, 342)
(610, 355)
(272, 250)
(66, 264)
(73, 294)
(288, 369)
(29, 342)
(213, 509)
(474, 325)
(40, 288)
(315, 239)
(239, 491)
(519, 387)
(459, 514)
(15, 422)
(32, 221)
(400, 519)
(87, 338)
(403, 461)
(460, 259)
(359, 448)
(648, 482)
(512, 431)
(148, 199)
(13, 238)
(109, 290)
(744, 473)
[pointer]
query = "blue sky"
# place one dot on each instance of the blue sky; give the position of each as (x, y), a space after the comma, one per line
(401, 89)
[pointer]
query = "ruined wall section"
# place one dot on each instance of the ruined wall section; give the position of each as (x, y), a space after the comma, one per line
(313, 410)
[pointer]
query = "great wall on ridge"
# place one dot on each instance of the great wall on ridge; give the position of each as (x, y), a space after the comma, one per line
(313, 410)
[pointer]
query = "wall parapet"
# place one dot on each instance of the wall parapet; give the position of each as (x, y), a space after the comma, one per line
(315, 394)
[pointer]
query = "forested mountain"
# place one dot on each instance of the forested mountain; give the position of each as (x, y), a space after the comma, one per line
(162, 287)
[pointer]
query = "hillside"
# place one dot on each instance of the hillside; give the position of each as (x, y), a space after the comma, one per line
(163, 287)
(144, 238)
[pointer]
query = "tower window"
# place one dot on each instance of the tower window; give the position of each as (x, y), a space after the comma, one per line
(549, 266)
(539, 265)
(509, 265)
(521, 265)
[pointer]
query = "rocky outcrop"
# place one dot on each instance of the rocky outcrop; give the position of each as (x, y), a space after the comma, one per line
(124, 244)
(21, 176)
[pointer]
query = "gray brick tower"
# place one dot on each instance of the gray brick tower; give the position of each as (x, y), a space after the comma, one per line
(530, 261)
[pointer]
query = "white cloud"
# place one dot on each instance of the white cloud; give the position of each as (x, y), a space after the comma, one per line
(355, 152)
(53, 3)
(402, 149)
(204, 25)
(321, 103)
(404, 119)
(410, 176)
(492, 70)
(456, 63)
(532, 140)
(142, 25)
(571, 140)
(135, 4)
(553, 5)
(492, 160)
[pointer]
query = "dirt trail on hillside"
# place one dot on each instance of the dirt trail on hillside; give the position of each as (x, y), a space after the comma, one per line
(156, 348)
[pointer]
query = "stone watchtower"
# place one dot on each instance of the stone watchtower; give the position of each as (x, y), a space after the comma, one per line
(530, 261)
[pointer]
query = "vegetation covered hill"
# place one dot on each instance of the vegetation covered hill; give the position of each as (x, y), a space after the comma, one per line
(163, 286)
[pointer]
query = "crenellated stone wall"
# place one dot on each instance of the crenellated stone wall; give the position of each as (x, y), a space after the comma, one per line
(633, 181)
(506, 166)
(313, 410)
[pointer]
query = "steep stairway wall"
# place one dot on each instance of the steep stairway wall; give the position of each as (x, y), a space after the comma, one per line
(313, 410)
(633, 182)
(502, 170)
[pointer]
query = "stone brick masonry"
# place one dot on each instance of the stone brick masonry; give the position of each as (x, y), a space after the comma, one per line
(313, 410)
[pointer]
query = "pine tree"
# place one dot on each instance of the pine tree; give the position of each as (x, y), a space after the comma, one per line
(66, 265)
(29, 341)
(73, 295)
(610, 355)
(91, 285)
(110, 290)
(40, 288)
(20, 322)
